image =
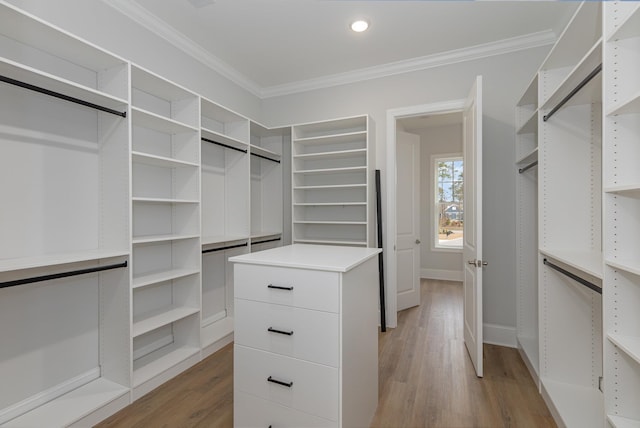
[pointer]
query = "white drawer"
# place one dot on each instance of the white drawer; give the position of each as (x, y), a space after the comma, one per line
(251, 411)
(287, 286)
(299, 333)
(313, 388)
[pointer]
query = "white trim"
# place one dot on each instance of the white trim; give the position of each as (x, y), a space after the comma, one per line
(389, 255)
(146, 19)
(528, 41)
(217, 345)
(495, 334)
(442, 274)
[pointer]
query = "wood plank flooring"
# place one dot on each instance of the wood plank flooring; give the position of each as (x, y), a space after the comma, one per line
(426, 380)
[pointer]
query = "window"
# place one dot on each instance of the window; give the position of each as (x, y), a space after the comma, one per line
(449, 201)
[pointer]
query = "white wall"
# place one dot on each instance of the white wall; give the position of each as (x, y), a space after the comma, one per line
(505, 78)
(436, 140)
(100, 24)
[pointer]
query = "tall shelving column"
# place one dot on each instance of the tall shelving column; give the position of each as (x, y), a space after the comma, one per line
(527, 226)
(166, 252)
(266, 183)
(64, 276)
(622, 213)
(570, 228)
(333, 183)
(225, 216)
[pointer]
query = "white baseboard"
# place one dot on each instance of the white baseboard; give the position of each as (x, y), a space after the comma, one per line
(442, 274)
(502, 335)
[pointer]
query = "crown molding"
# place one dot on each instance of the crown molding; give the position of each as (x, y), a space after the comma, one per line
(500, 47)
(157, 26)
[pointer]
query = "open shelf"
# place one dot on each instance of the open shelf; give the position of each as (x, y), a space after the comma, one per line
(161, 238)
(578, 406)
(528, 158)
(224, 139)
(153, 160)
(153, 364)
(628, 344)
(585, 261)
(160, 317)
(629, 25)
(628, 106)
(330, 170)
(620, 422)
(9, 265)
(161, 276)
(530, 125)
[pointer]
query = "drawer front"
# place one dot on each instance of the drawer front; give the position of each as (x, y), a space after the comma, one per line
(302, 385)
(299, 333)
(251, 411)
(302, 288)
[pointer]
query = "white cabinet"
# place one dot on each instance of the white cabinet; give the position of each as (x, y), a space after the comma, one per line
(333, 182)
(64, 249)
(306, 336)
(621, 182)
(166, 230)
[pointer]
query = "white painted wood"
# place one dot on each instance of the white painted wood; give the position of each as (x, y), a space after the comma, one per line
(408, 219)
(266, 413)
(472, 241)
(314, 333)
(576, 406)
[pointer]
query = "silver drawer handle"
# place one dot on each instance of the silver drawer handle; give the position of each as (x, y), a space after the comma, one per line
(278, 287)
(280, 382)
(273, 330)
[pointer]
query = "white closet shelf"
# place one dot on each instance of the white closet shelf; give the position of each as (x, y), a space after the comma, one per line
(620, 422)
(9, 265)
(530, 126)
(224, 139)
(629, 344)
(529, 345)
(529, 157)
(579, 406)
(165, 201)
(327, 241)
(332, 139)
(151, 83)
(161, 276)
(587, 262)
(329, 222)
(530, 95)
(624, 189)
(161, 238)
(221, 239)
(341, 154)
(630, 27)
(264, 152)
(149, 366)
(628, 106)
(329, 204)
(31, 76)
(265, 234)
(332, 186)
(331, 170)
(629, 265)
(220, 114)
(591, 92)
(69, 408)
(164, 316)
(150, 120)
(153, 160)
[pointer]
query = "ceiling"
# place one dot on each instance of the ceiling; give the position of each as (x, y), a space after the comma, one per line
(278, 46)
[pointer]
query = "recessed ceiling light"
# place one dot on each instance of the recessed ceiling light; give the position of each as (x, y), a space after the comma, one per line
(359, 26)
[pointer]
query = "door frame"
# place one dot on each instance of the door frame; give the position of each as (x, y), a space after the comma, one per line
(390, 255)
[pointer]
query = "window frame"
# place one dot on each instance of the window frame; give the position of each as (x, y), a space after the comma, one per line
(435, 158)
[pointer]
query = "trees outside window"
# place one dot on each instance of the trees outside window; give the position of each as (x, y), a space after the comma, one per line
(449, 202)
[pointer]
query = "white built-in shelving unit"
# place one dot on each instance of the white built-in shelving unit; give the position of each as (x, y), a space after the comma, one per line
(166, 229)
(64, 236)
(621, 183)
(560, 223)
(333, 193)
(527, 226)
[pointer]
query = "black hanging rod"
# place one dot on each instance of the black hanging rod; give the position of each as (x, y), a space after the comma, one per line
(531, 165)
(576, 278)
(61, 96)
(60, 275)
(265, 241)
(581, 85)
(265, 157)
(228, 247)
(224, 145)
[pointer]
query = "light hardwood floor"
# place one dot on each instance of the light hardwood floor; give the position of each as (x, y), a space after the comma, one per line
(426, 379)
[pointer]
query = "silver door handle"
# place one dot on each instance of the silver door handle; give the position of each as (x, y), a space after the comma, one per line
(477, 263)
(472, 262)
(417, 241)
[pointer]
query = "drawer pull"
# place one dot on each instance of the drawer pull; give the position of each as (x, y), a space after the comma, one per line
(273, 330)
(279, 382)
(277, 287)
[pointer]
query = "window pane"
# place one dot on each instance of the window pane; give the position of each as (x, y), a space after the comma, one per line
(449, 202)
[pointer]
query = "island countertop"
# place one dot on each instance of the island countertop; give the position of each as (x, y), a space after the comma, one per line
(305, 256)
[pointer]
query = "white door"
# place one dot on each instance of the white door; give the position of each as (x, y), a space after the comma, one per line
(407, 219)
(472, 237)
